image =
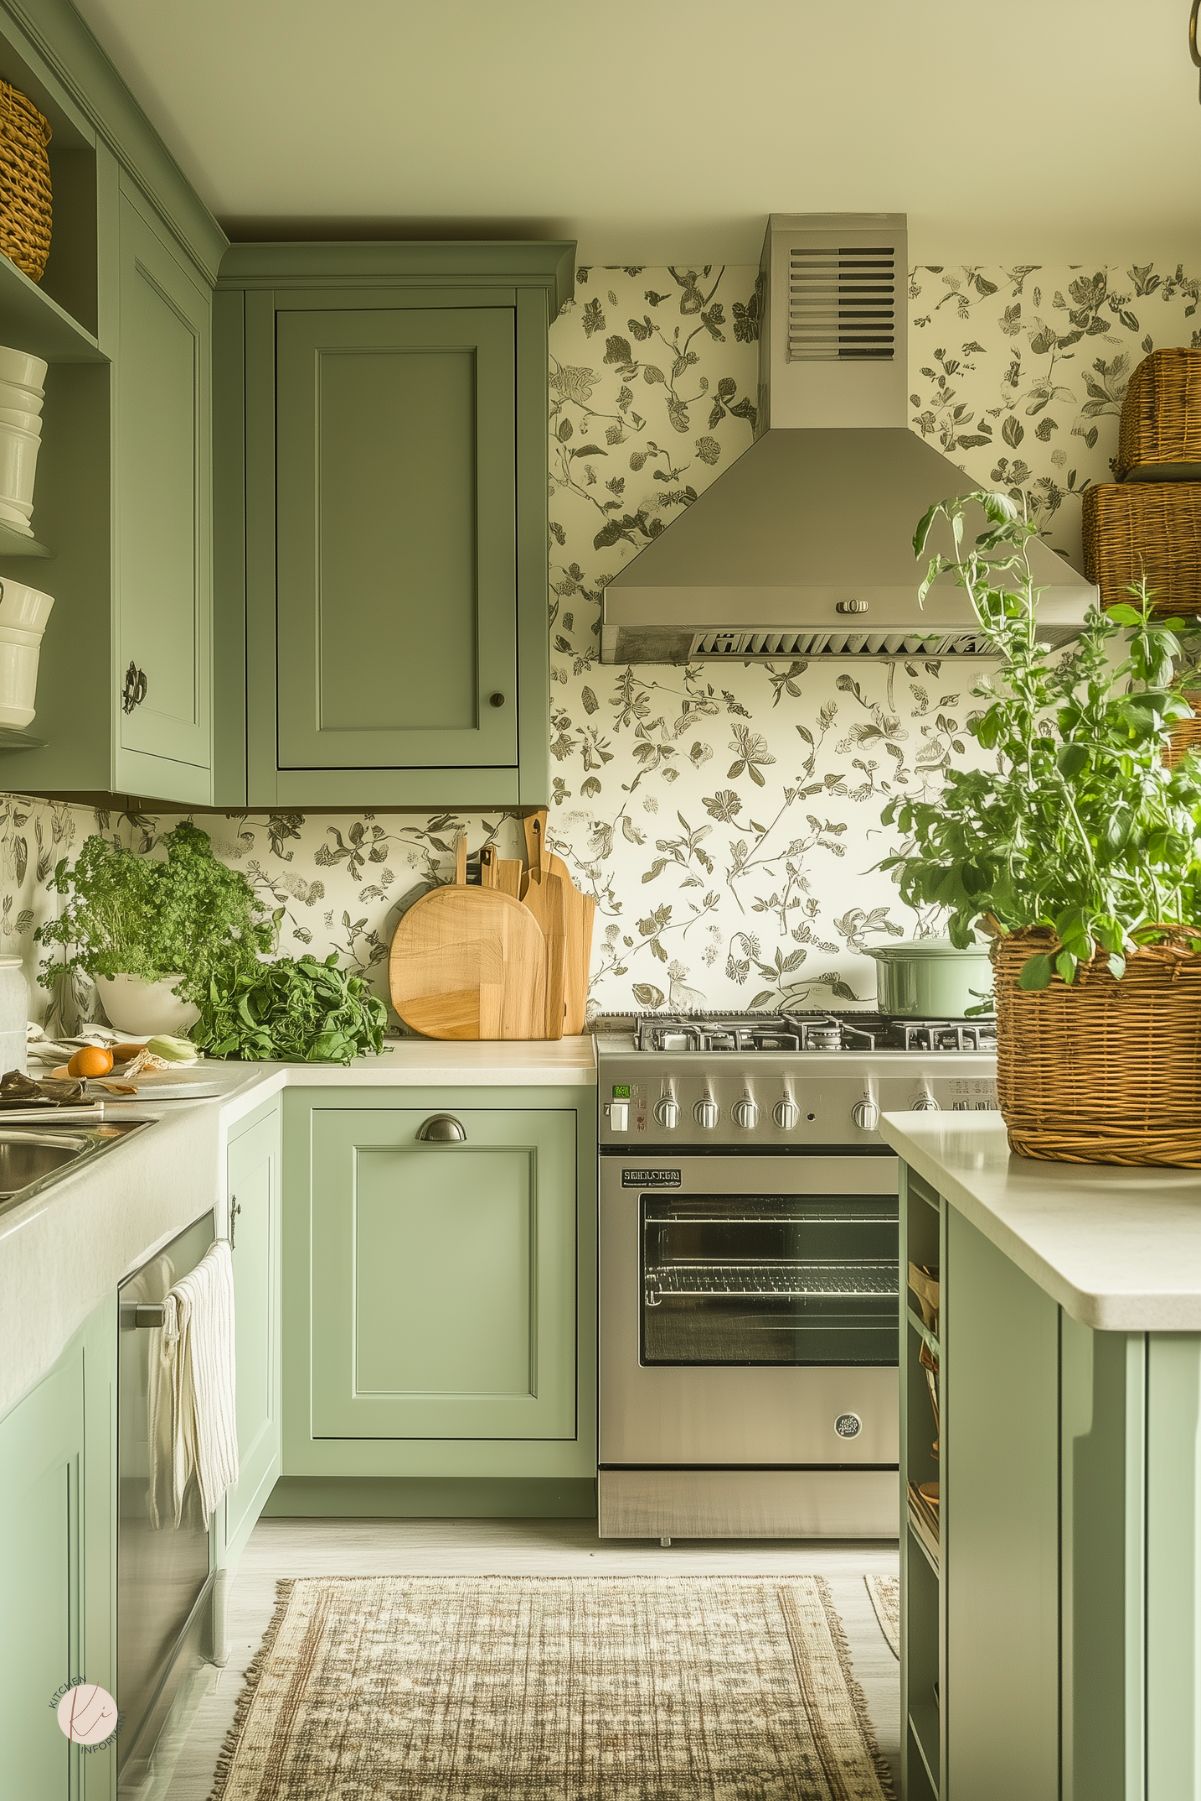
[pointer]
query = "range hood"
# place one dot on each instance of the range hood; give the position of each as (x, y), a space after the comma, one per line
(803, 548)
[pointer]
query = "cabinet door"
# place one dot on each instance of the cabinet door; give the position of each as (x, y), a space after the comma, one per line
(254, 1201)
(41, 1446)
(162, 513)
(444, 1276)
(396, 587)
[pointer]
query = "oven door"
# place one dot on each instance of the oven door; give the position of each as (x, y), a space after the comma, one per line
(749, 1310)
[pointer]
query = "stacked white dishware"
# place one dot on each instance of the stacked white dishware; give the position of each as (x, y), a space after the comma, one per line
(23, 615)
(21, 395)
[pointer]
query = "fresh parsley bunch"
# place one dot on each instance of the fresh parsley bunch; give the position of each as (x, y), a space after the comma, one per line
(291, 1011)
(1076, 826)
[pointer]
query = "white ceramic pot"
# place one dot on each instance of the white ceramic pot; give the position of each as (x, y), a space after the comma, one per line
(143, 1008)
(20, 367)
(14, 1013)
(23, 608)
(11, 415)
(19, 652)
(18, 465)
(21, 399)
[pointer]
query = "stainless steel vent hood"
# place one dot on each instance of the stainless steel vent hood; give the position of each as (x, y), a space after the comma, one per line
(803, 548)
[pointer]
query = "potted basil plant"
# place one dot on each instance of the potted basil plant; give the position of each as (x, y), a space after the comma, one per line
(1075, 844)
(153, 931)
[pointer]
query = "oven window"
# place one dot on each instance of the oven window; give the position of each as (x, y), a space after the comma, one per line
(779, 1279)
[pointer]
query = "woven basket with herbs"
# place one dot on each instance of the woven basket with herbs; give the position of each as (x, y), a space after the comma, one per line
(1076, 846)
(1100, 1071)
(25, 213)
(1160, 432)
(1144, 532)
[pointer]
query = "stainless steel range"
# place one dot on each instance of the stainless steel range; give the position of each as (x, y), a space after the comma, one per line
(748, 1266)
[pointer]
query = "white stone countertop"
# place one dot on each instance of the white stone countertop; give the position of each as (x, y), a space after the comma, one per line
(64, 1250)
(1119, 1249)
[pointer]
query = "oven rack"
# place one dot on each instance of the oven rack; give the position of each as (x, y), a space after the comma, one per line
(774, 1281)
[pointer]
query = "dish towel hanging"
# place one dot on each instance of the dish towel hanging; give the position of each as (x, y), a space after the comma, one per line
(193, 1426)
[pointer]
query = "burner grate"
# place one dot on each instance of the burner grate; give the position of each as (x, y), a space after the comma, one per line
(776, 1032)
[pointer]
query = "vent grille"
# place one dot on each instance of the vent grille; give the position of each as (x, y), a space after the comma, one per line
(745, 644)
(842, 303)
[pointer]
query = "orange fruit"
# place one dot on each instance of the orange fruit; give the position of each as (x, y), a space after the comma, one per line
(90, 1060)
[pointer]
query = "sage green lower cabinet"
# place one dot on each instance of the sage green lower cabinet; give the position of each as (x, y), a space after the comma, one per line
(253, 1165)
(57, 1574)
(1061, 1616)
(439, 1296)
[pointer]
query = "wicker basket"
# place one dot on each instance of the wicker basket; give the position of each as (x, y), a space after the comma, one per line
(1160, 434)
(1102, 1071)
(24, 183)
(1186, 733)
(1134, 530)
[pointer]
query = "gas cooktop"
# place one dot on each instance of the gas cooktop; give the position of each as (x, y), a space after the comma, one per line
(790, 1032)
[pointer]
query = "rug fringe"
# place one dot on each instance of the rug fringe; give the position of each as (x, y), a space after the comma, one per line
(842, 1645)
(252, 1675)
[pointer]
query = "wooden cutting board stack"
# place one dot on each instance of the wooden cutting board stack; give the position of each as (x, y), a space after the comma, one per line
(508, 959)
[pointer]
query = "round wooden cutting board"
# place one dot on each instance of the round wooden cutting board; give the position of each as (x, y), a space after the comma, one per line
(469, 963)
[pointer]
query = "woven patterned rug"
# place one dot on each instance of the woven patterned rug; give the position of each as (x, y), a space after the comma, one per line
(885, 1592)
(522, 1688)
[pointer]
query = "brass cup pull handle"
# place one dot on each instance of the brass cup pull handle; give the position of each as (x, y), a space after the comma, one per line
(442, 1128)
(133, 692)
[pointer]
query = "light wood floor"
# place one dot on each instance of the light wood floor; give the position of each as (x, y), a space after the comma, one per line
(187, 1756)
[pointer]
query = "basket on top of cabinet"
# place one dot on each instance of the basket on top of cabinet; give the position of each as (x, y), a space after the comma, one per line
(25, 194)
(1136, 531)
(1159, 437)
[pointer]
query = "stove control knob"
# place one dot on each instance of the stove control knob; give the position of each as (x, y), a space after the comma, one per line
(746, 1113)
(866, 1115)
(705, 1113)
(786, 1113)
(926, 1103)
(667, 1112)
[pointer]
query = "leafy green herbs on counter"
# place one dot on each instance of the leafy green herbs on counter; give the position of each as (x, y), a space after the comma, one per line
(291, 1011)
(1075, 825)
(130, 913)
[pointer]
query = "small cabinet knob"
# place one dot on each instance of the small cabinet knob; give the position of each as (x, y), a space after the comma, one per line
(497, 699)
(442, 1128)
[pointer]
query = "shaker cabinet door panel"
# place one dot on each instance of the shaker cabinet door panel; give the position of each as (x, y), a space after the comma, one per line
(444, 1277)
(162, 513)
(41, 1449)
(254, 1201)
(396, 588)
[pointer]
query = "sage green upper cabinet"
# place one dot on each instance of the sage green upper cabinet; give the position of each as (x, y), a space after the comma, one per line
(382, 552)
(162, 515)
(396, 615)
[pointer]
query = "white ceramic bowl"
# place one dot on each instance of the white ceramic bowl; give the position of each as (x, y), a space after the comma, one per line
(30, 422)
(23, 399)
(19, 652)
(18, 465)
(145, 1009)
(19, 366)
(23, 608)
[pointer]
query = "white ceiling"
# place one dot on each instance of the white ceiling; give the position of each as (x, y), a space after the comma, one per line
(665, 130)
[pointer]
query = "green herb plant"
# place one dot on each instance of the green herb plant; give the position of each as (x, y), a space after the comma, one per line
(1075, 827)
(291, 1011)
(184, 913)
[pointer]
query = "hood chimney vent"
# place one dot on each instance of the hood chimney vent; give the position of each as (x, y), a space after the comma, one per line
(842, 302)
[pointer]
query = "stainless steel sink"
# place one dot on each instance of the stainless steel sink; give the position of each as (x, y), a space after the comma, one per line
(34, 1156)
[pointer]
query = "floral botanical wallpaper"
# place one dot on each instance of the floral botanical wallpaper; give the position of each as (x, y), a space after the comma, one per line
(727, 819)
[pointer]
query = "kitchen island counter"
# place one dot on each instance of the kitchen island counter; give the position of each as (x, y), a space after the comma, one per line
(1118, 1249)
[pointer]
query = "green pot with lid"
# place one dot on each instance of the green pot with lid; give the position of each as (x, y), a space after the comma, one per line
(931, 978)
